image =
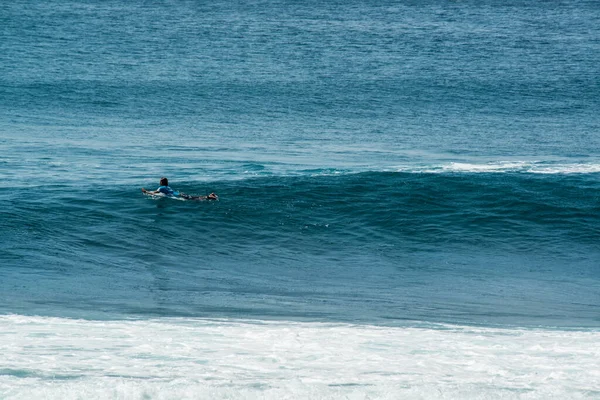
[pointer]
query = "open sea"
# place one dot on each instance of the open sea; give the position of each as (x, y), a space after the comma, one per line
(409, 199)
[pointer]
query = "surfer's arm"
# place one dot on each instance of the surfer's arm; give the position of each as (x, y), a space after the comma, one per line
(149, 191)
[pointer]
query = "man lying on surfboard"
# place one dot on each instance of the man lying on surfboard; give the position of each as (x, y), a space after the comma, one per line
(165, 190)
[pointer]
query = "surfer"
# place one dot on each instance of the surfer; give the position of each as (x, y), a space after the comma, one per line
(166, 190)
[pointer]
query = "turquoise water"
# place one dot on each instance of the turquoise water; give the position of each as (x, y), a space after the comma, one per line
(393, 169)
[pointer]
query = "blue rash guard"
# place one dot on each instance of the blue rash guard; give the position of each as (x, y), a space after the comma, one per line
(167, 191)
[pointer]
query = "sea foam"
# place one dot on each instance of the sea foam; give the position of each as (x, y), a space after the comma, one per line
(55, 358)
(531, 167)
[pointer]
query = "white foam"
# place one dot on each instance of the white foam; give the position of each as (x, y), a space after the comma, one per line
(54, 358)
(532, 167)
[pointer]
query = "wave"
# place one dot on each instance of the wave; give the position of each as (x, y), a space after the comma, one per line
(392, 207)
(525, 167)
(375, 247)
(135, 170)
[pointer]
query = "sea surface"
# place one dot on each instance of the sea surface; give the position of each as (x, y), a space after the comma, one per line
(409, 199)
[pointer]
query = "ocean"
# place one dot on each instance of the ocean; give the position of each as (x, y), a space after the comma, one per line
(409, 199)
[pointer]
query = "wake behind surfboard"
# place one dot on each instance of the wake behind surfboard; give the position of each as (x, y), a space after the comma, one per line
(182, 197)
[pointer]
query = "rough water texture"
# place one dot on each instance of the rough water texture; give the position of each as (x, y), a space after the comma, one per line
(409, 199)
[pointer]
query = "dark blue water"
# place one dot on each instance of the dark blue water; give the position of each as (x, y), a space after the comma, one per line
(512, 248)
(376, 162)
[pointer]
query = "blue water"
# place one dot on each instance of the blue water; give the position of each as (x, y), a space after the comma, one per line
(378, 163)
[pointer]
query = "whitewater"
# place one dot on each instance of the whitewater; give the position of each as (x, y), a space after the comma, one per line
(183, 358)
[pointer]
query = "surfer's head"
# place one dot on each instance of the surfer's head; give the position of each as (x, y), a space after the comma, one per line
(164, 182)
